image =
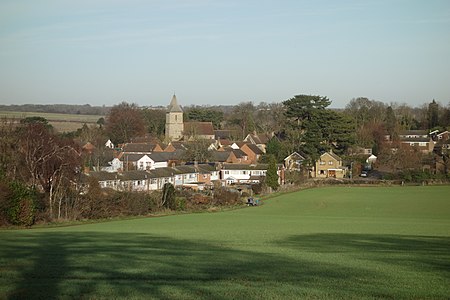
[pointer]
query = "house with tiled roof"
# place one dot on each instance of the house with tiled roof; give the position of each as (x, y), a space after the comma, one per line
(420, 140)
(144, 161)
(252, 151)
(329, 165)
(294, 162)
(223, 156)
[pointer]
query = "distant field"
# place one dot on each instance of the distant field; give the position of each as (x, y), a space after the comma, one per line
(329, 243)
(62, 122)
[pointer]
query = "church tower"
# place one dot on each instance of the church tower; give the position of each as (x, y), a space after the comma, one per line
(174, 120)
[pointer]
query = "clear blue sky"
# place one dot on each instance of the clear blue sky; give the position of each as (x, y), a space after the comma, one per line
(223, 52)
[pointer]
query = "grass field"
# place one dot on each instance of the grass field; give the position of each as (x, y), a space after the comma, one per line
(329, 243)
(62, 122)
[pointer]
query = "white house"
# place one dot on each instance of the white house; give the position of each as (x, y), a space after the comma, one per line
(144, 161)
(109, 144)
(114, 166)
(242, 173)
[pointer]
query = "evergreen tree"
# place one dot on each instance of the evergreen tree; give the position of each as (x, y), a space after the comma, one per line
(271, 175)
(390, 120)
(433, 114)
(168, 197)
(275, 148)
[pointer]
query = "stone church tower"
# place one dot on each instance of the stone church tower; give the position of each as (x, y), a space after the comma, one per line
(174, 120)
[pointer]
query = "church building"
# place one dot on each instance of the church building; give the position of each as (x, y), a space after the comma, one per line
(174, 121)
(176, 129)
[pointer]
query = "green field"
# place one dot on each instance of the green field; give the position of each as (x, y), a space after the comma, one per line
(338, 242)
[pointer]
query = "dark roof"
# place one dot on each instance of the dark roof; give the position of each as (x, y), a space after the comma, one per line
(239, 153)
(103, 176)
(198, 128)
(224, 134)
(244, 167)
(186, 169)
(415, 140)
(138, 147)
(205, 168)
(174, 106)
(413, 132)
(255, 149)
(162, 172)
(261, 138)
(161, 156)
(131, 157)
(220, 156)
(134, 175)
(177, 145)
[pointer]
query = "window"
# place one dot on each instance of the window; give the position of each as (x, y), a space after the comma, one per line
(244, 172)
(322, 162)
(330, 162)
(227, 172)
(422, 144)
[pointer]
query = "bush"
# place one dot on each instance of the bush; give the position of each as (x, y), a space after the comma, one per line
(257, 188)
(225, 196)
(20, 204)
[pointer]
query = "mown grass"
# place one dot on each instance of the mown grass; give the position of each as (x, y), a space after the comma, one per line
(330, 243)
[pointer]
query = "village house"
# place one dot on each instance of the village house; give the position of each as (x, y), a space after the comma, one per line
(144, 161)
(294, 162)
(189, 176)
(259, 140)
(417, 139)
(243, 173)
(329, 165)
(252, 151)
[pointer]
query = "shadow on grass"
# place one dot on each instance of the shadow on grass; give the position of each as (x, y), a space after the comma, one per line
(110, 265)
(424, 251)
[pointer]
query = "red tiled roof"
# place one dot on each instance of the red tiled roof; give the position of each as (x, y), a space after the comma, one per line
(198, 128)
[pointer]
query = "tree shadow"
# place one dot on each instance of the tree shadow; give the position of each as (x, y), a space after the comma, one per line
(111, 265)
(419, 263)
(432, 251)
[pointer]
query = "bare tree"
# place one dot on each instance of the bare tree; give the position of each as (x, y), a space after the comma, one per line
(124, 122)
(50, 162)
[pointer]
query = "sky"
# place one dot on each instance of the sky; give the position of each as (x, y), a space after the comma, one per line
(211, 52)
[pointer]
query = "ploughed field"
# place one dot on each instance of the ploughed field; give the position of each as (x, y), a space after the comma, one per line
(328, 243)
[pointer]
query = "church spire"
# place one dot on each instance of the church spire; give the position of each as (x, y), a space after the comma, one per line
(174, 106)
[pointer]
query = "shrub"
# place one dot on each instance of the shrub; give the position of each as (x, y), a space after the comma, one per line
(225, 196)
(20, 204)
